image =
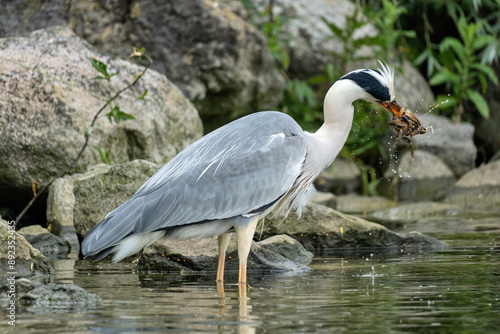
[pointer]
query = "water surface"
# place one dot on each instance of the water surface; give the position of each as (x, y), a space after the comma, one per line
(456, 290)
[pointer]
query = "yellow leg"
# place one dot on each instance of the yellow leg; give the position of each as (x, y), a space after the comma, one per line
(244, 235)
(223, 243)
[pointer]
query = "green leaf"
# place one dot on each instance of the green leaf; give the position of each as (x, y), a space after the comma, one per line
(333, 28)
(117, 115)
(479, 102)
(142, 97)
(104, 155)
(317, 79)
(443, 77)
(481, 41)
(100, 67)
(455, 45)
(88, 130)
(487, 70)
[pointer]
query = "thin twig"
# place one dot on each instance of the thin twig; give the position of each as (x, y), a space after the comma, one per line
(64, 172)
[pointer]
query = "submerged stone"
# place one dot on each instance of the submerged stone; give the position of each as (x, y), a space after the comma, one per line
(277, 253)
(26, 260)
(38, 297)
(321, 228)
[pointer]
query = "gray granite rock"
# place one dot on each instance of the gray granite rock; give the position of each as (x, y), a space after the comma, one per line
(478, 191)
(452, 143)
(49, 97)
(209, 49)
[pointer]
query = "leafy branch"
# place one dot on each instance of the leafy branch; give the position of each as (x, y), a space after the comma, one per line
(115, 114)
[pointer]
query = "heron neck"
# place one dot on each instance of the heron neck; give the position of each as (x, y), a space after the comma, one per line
(338, 114)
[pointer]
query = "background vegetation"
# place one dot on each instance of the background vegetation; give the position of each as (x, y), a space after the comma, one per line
(454, 43)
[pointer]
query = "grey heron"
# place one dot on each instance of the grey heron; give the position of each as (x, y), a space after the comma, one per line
(234, 176)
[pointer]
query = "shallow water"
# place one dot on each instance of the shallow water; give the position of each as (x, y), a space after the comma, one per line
(456, 290)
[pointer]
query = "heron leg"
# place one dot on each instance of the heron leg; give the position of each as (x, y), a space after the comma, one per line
(223, 243)
(244, 235)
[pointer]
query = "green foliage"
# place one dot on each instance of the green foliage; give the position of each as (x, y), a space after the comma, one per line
(277, 38)
(391, 38)
(350, 45)
(101, 68)
(300, 102)
(88, 130)
(143, 96)
(461, 68)
(117, 115)
(104, 155)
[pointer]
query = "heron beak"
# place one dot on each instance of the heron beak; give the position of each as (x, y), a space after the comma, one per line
(393, 107)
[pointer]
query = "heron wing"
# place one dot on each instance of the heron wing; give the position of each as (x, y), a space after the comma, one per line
(239, 169)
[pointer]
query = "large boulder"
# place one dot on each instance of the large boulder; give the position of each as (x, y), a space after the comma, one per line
(413, 180)
(321, 228)
(453, 143)
(49, 97)
(478, 191)
(312, 44)
(18, 258)
(207, 48)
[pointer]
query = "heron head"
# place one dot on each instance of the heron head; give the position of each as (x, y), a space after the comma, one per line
(379, 86)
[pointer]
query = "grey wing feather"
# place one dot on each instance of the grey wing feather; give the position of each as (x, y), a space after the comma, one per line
(232, 171)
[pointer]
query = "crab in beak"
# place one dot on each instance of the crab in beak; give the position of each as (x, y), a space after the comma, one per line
(394, 107)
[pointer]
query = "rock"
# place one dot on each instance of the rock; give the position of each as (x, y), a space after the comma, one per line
(418, 179)
(321, 228)
(478, 191)
(287, 247)
(46, 242)
(311, 44)
(276, 253)
(92, 195)
(51, 297)
(26, 260)
(50, 97)
(207, 48)
(453, 143)
(326, 199)
(417, 211)
(343, 177)
(363, 204)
